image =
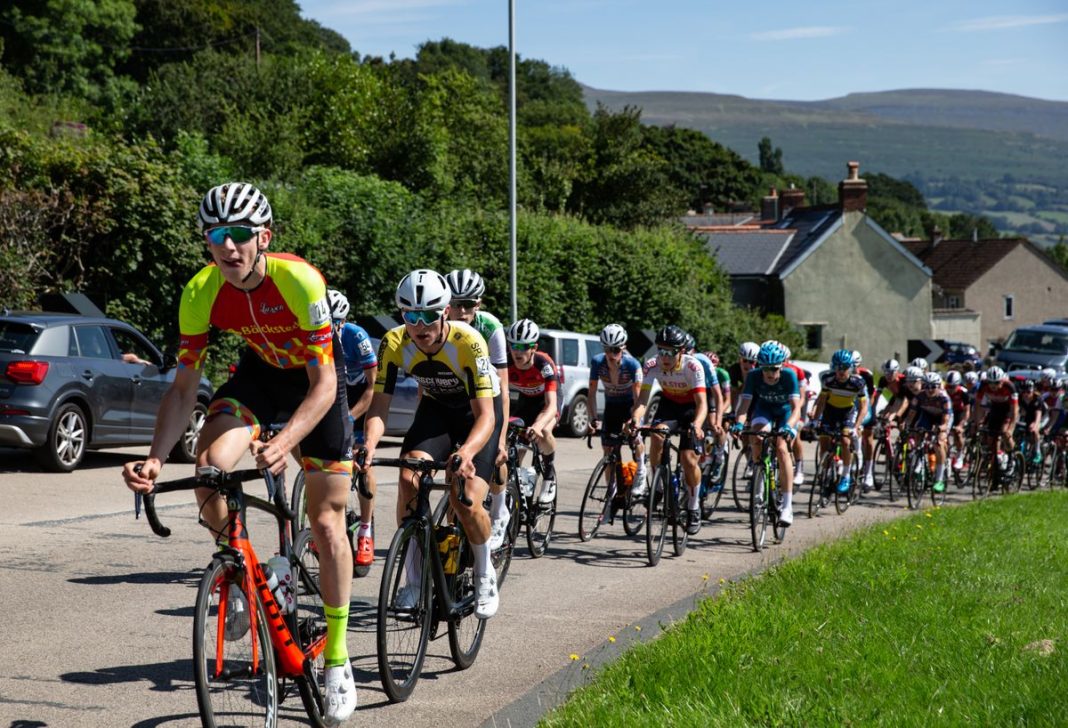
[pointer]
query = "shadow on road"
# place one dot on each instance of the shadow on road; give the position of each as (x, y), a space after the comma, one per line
(189, 578)
(164, 676)
(13, 460)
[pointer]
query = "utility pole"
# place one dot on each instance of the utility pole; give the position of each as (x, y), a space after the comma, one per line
(257, 47)
(511, 154)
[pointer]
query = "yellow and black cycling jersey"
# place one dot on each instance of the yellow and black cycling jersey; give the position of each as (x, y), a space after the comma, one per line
(459, 372)
(843, 394)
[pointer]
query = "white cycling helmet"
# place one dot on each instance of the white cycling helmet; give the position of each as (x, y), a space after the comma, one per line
(932, 380)
(970, 378)
(857, 358)
(913, 374)
(995, 374)
(613, 335)
(789, 354)
(234, 202)
(919, 362)
(890, 367)
(523, 331)
(749, 350)
(339, 304)
(1048, 376)
(423, 290)
(953, 378)
(466, 284)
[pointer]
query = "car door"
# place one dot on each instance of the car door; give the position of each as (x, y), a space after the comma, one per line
(106, 383)
(143, 364)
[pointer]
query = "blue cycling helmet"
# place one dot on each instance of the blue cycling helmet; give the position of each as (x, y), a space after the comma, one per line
(843, 358)
(772, 354)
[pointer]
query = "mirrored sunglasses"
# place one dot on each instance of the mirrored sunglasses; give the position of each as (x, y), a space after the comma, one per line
(667, 353)
(771, 369)
(522, 347)
(238, 233)
(421, 317)
(465, 303)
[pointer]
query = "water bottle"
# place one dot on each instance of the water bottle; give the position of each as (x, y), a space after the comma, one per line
(280, 582)
(1003, 460)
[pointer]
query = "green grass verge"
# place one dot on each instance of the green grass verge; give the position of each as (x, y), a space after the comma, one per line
(935, 619)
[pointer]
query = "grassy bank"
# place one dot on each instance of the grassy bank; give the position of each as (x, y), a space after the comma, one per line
(954, 616)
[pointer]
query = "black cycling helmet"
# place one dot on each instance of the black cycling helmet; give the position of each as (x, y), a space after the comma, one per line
(671, 337)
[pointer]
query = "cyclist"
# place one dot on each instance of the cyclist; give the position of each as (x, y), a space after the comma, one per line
(961, 398)
(843, 401)
(908, 387)
(1049, 387)
(920, 363)
(467, 288)
(532, 381)
(361, 367)
(457, 414)
(1033, 410)
(802, 385)
(889, 384)
(998, 402)
(713, 391)
(722, 442)
(278, 304)
(682, 399)
(932, 410)
(739, 370)
(867, 424)
(621, 375)
(774, 397)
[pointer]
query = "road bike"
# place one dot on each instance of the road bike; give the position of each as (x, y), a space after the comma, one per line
(765, 498)
(713, 478)
(607, 492)
(247, 648)
(882, 456)
(428, 580)
(829, 468)
(536, 516)
(664, 500)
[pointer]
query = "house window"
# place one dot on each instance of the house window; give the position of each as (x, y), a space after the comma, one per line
(1010, 306)
(952, 301)
(813, 336)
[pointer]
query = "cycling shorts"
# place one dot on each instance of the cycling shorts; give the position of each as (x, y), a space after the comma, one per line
(836, 419)
(353, 395)
(926, 421)
(614, 416)
(527, 409)
(777, 415)
(996, 418)
(439, 430)
(259, 395)
(669, 410)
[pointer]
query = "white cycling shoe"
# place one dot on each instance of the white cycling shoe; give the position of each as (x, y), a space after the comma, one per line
(498, 530)
(339, 699)
(548, 492)
(488, 596)
(786, 516)
(407, 596)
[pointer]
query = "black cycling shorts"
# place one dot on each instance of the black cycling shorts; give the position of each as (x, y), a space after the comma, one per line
(438, 430)
(669, 410)
(261, 395)
(527, 409)
(615, 416)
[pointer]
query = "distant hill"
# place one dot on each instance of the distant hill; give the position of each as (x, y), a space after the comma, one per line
(1015, 148)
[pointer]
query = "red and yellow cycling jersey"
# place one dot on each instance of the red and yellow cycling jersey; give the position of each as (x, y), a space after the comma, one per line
(285, 319)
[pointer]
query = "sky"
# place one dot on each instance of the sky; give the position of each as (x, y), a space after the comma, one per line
(774, 49)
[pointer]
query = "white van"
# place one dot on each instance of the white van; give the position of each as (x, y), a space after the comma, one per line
(572, 353)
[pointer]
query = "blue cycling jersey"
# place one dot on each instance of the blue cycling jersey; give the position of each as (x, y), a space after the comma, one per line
(359, 354)
(630, 371)
(711, 378)
(784, 391)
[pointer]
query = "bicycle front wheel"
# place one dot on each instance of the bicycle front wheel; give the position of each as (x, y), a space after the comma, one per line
(758, 508)
(656, 517)
(679, 534)
(915, 478)
(404, 613)
(710, 498)
(635, 511)
(739, 483)
(501, 558)
(233, 664)
(881, 464)
(540, 519)
(819, 495)
(595, 505)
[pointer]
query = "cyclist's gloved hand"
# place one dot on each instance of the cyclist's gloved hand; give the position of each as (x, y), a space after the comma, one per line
(789, 431)
(737, 427)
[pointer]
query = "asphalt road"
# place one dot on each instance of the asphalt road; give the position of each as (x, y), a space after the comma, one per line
(96, 612)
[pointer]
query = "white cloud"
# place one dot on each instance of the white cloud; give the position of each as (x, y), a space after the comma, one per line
(384, 11)
(1004, 22)
(818, 31)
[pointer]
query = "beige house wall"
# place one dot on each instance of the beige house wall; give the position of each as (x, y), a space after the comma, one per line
(870, 295)
(1039, 293)
(953, 325)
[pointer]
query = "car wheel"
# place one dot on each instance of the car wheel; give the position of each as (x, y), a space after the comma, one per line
(650, 411)
(185, 451)
(578, 416)
(68, 435)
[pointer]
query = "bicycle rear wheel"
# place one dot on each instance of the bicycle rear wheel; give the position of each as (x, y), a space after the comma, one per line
(656, 520)
(758, 508)
(980, 475)
(881, 464)
(540, 519)
(403, 629)
(711, 497)
(233, 665)
(1013, 482)
(819, 495)
(308, 623)
(916, 478)
(679, 535)
(739, 483)
(595, 506)
(501, 558)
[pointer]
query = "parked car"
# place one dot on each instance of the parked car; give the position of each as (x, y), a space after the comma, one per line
(572, 353)
(402, 406)
(1034, 348)
(813, 369)
(960, 352)
(71, 383)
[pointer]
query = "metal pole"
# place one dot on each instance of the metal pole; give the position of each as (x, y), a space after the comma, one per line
(511, 153)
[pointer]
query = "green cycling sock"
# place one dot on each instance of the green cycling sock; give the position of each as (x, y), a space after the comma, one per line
(336, 651)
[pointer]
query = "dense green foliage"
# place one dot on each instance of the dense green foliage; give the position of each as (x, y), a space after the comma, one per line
(920, 621)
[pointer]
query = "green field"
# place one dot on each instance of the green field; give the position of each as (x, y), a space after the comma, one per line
(955, 616)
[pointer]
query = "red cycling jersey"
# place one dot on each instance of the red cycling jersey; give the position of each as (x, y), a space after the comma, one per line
(534, 381)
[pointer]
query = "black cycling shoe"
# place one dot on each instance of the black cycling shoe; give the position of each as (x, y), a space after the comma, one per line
(693, 522)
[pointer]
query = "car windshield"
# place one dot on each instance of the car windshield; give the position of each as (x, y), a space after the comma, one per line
(1037, 342)
(16, 337)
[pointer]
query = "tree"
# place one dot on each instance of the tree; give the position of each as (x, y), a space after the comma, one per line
(770, 159)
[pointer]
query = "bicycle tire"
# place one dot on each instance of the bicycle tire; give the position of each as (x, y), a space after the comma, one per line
(1013, 482)
(740, 493)
(679, 535)
(980, 475)
(714, 496)
(237, 692)
(819, 495)
(758, 508)
(308, 624)
(402, 635)
(915, 478)
(897, 476)
(299, 505)
(778, 530)
(595, 500)
(881, 464)
(501, 558)
(635, 511)
(465, 631)
(540, 519)
(656, 519)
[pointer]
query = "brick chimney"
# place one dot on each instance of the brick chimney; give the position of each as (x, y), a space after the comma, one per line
(791, 198)
(769, 206)
(853, 191)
